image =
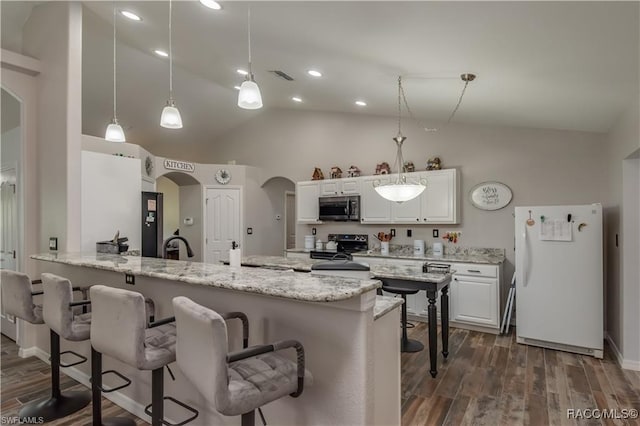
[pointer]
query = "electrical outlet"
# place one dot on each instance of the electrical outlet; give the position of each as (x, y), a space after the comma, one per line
(313, 231)
(53, 243)
(249, 231)
(129, 279)
(393, 232)
(435, 233)
(409, 232)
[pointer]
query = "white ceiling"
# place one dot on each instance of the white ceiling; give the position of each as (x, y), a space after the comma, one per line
(562, 65)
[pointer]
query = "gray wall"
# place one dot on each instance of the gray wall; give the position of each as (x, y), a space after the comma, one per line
(622, 298)
(540, 166)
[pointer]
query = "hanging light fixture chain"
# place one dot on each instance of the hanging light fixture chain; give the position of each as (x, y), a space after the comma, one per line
(466, 78)
(114, 60)
(464, 89)
(170, 52)
(400, 91)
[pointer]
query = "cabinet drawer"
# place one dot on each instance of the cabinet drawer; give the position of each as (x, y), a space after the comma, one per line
(472, 269)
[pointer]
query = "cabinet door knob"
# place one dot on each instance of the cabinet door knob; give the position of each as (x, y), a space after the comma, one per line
(418, 219)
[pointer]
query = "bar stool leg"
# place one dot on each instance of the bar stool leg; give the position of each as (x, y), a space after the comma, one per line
(157, 396)
(248, 419)
(96, 393)
(406, 344)
(59, 404)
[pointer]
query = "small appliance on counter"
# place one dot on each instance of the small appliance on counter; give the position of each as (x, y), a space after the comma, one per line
(115, 246)
(342, 243)
(309, 242)
(418, 247)
(438, 249)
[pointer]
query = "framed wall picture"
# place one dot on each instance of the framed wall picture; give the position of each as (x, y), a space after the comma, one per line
(490, 195)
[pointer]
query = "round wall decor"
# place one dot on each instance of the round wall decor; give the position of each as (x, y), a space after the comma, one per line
(490, 195)
(223, 176)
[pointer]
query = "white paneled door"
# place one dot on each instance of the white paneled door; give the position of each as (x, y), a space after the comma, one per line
(223, 221)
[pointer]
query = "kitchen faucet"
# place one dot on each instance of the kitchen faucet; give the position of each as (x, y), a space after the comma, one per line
(175, 237)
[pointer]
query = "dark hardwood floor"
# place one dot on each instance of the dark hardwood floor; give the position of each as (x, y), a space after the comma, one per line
(487, 380)
(23, 380)
(492, 380)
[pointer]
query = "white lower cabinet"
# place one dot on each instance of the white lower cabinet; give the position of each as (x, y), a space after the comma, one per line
(474, 294)
(474, 300)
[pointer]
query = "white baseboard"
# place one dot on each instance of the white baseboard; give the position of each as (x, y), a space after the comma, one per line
(116, 397)
(27, 352)
(627, 364)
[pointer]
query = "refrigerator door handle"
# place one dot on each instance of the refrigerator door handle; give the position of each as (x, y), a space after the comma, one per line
(524, 256)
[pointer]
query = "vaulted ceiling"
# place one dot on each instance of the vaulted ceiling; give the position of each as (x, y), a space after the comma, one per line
(561, 65)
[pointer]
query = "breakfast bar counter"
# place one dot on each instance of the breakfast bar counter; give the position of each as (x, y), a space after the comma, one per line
(350, 335)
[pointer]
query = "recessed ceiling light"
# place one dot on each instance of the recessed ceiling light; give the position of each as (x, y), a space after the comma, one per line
(161, 53)
(296, 99)
(211, 4)
(236, 87)
(130, 15)
(361, 103)
(241, 71)
(314, 73)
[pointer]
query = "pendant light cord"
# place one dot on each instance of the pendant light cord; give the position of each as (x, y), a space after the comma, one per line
(114, 60)
(170, 53)
(249, 35)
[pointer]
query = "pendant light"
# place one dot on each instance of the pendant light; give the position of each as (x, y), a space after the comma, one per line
(114, 131)
(399, 190)
(249, 96)
(170, 117)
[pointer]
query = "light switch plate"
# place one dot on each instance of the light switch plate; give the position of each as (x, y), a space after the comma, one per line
(435, 233)
(53, 243)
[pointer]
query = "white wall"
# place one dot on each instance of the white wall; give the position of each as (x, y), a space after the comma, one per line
(621, 308)
(110, 199)
(53, 34)
(631, 254)
(540, 166)
(191, 206)
(170, 206)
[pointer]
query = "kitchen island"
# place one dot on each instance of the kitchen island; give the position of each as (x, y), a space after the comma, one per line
(351, 337)
(406, 276)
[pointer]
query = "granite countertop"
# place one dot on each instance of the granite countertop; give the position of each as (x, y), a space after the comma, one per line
(384, 305)
(387, 270)
(282, 283)
(460, 254)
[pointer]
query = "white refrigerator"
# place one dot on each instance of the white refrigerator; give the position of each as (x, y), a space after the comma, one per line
(559, 277)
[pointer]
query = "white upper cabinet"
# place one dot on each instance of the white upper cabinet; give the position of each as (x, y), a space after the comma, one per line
(337, 187)
(438, 204)
(440, 198)
(373, 208)
(307, 194)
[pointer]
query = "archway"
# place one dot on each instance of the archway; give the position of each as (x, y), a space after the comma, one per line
(280, 192)
(182, 212)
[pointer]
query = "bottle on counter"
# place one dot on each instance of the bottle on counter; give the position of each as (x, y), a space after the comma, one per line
(318, 244)
(235, 255)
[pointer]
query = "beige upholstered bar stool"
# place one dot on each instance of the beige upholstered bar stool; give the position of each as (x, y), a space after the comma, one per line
(57, 313)
(119, 329)
(233, 383)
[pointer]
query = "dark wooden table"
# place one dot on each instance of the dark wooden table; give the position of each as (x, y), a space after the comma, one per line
(432, 288)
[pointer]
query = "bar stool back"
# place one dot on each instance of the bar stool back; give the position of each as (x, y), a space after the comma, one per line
(233, 383)
(17, 297)
(57, 313)
(119, 329)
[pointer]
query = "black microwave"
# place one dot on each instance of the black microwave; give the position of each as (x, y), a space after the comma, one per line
(339, 208)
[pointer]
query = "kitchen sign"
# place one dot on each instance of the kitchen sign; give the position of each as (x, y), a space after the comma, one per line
(182, 166)
(490, 195)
